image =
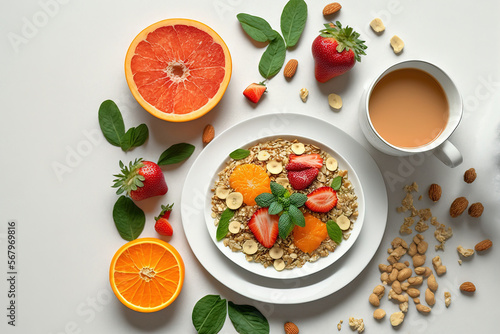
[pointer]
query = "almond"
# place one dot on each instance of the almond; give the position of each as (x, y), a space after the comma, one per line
(208, 134)
(331, 8)
(435, 192)
(476, 210)
(470, 175)
(458, 206)
(291, 328)
(468, 287)
(483, 245)
(290, 68)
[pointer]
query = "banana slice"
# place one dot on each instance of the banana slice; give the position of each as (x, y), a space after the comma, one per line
(274, 167)
(331, 164)
(234, 226)
(335, 101)
(298, 148)
(263, 155)
(343, 222)
(279, 264)
(283, 181)
(222, 192)
(276, 252)
(250, 247)
(234, 200)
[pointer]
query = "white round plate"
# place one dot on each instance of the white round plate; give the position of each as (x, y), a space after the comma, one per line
(290, 291)
(219, 153)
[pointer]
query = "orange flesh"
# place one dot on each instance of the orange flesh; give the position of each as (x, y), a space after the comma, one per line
(178, 69)
(309, 238)
(251, 181)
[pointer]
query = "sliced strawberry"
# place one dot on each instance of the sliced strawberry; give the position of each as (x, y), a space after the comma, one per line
(322, 199)
(264, 227)
(254, 92)
(301, 179)
(304, 160)
(163, 227)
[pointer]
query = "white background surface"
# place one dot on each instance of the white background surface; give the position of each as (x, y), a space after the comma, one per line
(53, 82)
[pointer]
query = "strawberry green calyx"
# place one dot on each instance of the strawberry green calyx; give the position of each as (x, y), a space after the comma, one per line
(129, 179)
(164, 209)
(347, 39)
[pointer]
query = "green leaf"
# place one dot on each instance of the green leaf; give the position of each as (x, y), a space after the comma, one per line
(256, 27)
(111, 122)
(209, 314)
(336, 183)
(265, 199)
(334, 231)
(176, 153)
(129, 218)
(298, 199)
(273, 58)
(135, 137)
(239, 154)
(297, 216)
(277, 189)
(285, 225)
(223, 226)
(247, 319)
(275, 208)
(293, 21)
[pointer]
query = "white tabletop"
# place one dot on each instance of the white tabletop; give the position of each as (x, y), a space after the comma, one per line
(61, 59)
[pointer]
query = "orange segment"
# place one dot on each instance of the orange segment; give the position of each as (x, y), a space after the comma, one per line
(309, 237)
(178, 69)
(146, 274)
(250, 180)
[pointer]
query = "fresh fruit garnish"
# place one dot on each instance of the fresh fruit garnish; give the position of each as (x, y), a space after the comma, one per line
(163, 227)
(264, 227)
(178, 69)
(301, 179)
(322, 199)
(254, 91)
(140, 180)
(165, 212)
(309, 237)
(335, 51)
(250, 180)
(300, 162)
(146, 274)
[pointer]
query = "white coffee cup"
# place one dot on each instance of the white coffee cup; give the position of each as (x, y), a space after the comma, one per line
(441, 147)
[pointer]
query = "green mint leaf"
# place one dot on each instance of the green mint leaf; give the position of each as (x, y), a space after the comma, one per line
(135, 137)
(336, 183)
(129, 218)
(223, 226)
(293, 21)
(264, 200)
(111, 122)
(273, 58)
(239, 154)
(277, 189)
(247, 319)
(285, 225)
(297, 216)
(256, 27)
(176, 153)
(209, 314)
(334, 231)
(275, 208)
(298, 199)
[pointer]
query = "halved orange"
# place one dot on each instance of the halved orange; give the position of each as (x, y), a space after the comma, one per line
(146, 274)
(250, 180)
(178, 69)
(309, 237)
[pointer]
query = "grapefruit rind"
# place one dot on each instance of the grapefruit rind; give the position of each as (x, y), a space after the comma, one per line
(146, 241)
(152, 109)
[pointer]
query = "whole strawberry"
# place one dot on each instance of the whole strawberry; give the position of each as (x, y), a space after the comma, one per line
(162, 225)
(335, 51)
(140, 180)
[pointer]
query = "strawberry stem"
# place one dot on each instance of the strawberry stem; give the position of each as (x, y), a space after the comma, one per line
(347, 39)
(129, 179)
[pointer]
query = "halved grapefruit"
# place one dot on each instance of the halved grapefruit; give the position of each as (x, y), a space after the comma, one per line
(178, 69)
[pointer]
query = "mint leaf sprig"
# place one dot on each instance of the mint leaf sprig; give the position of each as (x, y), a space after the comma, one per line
(281, 202)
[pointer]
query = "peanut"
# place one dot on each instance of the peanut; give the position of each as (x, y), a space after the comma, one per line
(379, 314)
(384, 278)
(431, 283)
(404, 307)
(418, 260)
(413, 293)
(397, 318)
(379, 291)
(404, 286)
(399, 265)
(404, 274)
(396, 286)
(423, 309)
(384, 268)
(415, 280)
(394, 275)
(438, 266)
(424, 271)
(447, 298)
(429, 297)
(374, 300)
(413, 249)
(422, 247)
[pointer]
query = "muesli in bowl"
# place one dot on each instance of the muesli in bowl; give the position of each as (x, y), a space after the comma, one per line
(284, 203)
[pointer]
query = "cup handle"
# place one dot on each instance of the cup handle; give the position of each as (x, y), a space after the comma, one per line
(448, 154)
